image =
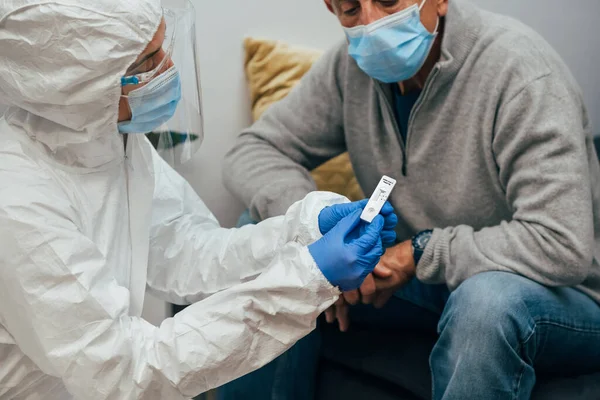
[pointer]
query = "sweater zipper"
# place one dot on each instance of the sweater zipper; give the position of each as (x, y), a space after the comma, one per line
(414, 111)
(394, 124)
(404, 146)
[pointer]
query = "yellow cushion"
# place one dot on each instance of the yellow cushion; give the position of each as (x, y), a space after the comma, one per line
(273, 68)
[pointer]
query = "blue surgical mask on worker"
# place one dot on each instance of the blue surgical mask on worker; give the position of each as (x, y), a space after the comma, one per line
(154, 103)
(394, 48)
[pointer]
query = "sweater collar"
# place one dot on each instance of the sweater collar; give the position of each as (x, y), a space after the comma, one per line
(463, 25)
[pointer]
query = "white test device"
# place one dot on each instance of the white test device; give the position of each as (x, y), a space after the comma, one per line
(378, 199)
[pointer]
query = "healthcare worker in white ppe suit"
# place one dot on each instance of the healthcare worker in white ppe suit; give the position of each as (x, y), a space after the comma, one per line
(91, 216)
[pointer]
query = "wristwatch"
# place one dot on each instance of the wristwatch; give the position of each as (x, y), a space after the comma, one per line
(419, 242)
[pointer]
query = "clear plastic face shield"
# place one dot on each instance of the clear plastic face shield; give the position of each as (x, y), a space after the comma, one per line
(163, 89)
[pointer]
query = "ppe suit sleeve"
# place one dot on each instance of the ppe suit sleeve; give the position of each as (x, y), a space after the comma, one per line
(192, 257)
(268, 168)
(60, 302)
(540, 149)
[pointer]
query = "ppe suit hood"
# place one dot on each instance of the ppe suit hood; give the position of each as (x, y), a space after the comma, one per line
(60, 69)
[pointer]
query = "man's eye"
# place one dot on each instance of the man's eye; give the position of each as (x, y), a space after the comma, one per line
(351, 11)
(388, 3)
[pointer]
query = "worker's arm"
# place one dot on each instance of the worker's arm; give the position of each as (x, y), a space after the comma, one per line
(268, 168)
(68, 314)
(192, 257)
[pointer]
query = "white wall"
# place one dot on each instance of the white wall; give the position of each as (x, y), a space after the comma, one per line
(571, 27)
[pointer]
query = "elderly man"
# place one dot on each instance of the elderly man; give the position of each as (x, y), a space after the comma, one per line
(498, 190)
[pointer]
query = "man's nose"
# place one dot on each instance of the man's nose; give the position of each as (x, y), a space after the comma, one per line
(369, 12)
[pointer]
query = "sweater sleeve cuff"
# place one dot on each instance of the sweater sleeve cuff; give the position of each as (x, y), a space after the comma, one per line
(432, 266)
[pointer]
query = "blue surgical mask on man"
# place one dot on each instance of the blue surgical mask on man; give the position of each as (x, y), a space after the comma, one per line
(154, 103)
(394, 48)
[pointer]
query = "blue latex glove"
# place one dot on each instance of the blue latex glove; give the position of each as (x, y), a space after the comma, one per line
(349, 251)
(330, 216)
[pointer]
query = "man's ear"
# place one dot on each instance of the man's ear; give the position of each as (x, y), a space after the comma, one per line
(442, 8)
(329, 6)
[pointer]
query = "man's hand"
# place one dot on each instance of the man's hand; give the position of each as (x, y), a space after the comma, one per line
(395, 269)
(340, 310)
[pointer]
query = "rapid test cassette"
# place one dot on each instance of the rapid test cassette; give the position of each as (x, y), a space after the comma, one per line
(378, 199)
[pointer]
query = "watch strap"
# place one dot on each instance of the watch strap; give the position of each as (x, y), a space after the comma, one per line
(419, 243)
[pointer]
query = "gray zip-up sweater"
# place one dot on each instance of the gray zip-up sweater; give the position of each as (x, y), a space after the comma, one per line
(499, 156)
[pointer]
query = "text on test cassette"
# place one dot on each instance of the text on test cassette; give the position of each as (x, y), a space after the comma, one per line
(378, 199)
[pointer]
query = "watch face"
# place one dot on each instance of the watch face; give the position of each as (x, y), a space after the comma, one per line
(423, 239)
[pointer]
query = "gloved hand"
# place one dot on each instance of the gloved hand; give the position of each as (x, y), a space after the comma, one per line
(330, 216)
(349, 251)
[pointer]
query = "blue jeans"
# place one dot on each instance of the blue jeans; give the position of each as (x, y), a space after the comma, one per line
(497, 331)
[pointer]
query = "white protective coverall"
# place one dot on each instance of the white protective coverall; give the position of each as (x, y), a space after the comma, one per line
(87, 226)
